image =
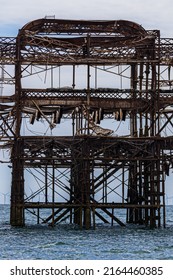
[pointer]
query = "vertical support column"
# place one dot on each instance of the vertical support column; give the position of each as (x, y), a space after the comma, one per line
(46, 184)
(132, 213)
(87, 209)
(147, 71)
(104, 195)
(77, 122)
(158, 184)
(76, 184)
(17, 188)
(88, 79)
(133, 117)
(53, 192)
(164, 209)
(146, 191)
(153, 191)
(152, 198)
(18, 114)
(163, 188)
(74, 77)
(153, 102)
(81, 182)
(140, 197)
(140, 85)
(158, 87)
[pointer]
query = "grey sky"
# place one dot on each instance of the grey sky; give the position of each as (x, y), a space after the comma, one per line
(151, 14)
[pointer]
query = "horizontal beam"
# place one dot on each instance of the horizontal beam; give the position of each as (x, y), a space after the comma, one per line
(50, 205)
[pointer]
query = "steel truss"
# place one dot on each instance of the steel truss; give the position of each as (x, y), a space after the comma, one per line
(91, 172)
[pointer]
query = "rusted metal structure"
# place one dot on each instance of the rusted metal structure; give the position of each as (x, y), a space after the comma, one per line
(68, 77)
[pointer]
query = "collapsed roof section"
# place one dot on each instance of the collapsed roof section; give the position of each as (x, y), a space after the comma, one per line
(80, 42)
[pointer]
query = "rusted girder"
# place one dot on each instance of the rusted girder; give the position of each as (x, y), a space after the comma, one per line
(57, 26)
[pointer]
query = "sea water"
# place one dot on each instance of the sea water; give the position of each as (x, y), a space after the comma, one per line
(68, 242)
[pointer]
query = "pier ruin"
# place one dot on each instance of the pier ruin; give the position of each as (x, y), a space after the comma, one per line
(86, 112)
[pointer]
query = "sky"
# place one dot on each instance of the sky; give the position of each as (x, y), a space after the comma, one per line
(151, 14)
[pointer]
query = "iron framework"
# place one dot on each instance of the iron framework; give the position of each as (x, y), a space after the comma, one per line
(70, 76)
